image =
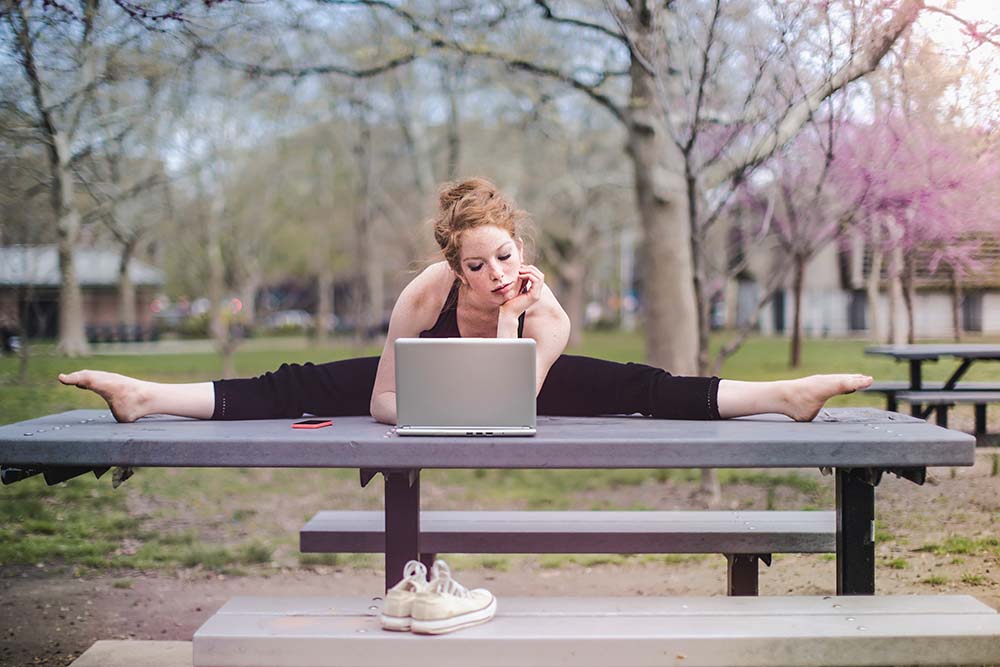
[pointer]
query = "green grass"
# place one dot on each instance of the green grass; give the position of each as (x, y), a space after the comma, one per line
(973, 579)
(898, 564)
(935, 580)
(957, 544)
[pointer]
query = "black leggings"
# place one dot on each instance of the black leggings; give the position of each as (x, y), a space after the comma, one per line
(575, 387)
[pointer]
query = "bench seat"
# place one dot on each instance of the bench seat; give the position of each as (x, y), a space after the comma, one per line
(892, 389)
(942, 400)
(955, 396)
(136, 653)
(799, 631)
(743, 537)
(592, 532)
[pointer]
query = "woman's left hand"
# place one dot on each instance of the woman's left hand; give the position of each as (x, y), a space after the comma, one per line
(529, 291)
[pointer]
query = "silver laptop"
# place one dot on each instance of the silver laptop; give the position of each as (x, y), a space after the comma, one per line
(465, 386)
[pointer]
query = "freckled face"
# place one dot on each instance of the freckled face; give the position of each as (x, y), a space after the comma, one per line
(490, 260)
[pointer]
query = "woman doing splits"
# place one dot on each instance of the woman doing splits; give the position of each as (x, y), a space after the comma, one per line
(482, 288)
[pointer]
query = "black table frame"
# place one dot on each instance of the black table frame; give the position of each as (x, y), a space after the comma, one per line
(855, 506)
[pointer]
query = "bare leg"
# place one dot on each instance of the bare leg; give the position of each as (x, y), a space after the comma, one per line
(800, 399)
(129, 398)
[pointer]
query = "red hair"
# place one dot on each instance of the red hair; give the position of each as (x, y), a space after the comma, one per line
(464, 205)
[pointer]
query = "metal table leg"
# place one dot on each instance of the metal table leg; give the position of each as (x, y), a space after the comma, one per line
(916, 384)
(855, 533)
(402, 522)
(742, 576)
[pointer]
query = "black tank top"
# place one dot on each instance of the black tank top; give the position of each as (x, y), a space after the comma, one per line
(447, 322)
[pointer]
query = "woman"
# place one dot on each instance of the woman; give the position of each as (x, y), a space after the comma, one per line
(481, 289)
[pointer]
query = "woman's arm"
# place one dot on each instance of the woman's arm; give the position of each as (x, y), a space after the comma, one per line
(416, 309)
(549, 325)
(544, 320)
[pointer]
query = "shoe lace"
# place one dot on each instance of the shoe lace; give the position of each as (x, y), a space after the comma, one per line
(441, 581)
(415, 574)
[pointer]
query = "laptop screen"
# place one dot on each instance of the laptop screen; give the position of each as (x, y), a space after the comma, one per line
(465, 383)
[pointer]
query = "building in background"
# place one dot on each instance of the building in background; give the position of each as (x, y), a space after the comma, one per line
(29, 278)
(835, 302)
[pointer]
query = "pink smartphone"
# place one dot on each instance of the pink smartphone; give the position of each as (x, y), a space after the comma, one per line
(313, 423)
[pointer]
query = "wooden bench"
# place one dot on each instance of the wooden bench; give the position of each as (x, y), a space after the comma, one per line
(892, 388)
(942, 400)
(743, 537)
(136, 653)
(807, 631)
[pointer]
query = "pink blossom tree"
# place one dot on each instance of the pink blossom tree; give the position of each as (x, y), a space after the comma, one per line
(800, 206)
(917, 187)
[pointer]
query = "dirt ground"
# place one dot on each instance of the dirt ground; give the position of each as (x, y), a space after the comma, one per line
(48, 616)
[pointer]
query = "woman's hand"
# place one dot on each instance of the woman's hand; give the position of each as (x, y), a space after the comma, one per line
(529, 291)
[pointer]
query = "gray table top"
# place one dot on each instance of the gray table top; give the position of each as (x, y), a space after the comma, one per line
(844, 437)
(929, 351)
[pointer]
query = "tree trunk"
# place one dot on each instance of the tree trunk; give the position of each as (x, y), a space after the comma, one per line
(895, 285)
(895, 298)
(126, 290)
(798, 283)
(324, 307)
(24, 354)
(910, 295)
(248, 298)
(872, 287)
(956, 305)
(448, 76)
(362, 231)
(375, 285)
(669, 307)
(72, 338)
(574, 295)
(219, 317)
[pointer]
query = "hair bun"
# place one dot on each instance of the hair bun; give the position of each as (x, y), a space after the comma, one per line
(451, 193)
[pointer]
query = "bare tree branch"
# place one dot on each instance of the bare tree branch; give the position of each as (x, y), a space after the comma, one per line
(974, 29)
(522, 64)
(703, 77)
(797, 115)
(549, 15)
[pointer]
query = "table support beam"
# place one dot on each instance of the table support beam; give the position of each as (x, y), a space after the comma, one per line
(916, 384)
(402, 522)
(855, 533)
(980, 419)
(742, 573)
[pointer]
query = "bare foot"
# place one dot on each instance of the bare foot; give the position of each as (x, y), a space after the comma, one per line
(126, 397)
(804, 397)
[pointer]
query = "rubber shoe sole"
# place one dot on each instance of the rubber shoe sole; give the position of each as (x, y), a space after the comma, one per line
(443, 625)
(395, 623)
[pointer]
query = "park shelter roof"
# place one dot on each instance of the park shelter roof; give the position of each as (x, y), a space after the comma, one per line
(38, 266)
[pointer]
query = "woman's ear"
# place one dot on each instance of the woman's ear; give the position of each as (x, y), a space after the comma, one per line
(520, 247)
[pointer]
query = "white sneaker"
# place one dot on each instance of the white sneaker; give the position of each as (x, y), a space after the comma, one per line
(448, 606)
(399, 599)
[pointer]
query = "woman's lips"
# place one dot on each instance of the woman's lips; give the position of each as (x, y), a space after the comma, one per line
(503, 288)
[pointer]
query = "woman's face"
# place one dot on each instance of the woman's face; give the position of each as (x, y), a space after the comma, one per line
(490, 260)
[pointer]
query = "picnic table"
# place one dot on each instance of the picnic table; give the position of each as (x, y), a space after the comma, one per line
(924, 399)
(917, 354)
(858, 444)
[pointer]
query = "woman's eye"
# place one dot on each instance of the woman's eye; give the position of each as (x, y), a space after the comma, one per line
(475, 268)
(504, 258)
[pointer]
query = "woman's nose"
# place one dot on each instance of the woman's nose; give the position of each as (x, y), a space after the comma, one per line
(496, 271)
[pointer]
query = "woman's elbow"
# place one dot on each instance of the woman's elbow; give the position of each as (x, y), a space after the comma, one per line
(383, 408)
